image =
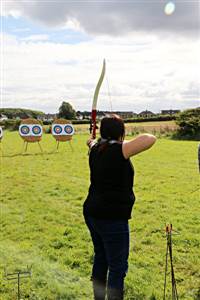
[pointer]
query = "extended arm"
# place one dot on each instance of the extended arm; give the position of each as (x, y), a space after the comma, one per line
(138, 144)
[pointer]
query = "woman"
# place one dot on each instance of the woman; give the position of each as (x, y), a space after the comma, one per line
(109, 204)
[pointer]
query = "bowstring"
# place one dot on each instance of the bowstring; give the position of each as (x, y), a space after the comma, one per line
(109, 94)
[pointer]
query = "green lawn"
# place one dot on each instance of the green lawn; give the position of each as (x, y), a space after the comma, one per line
(42, 224)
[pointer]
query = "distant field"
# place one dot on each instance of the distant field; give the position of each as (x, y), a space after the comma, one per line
(42, 223)
(132, 127)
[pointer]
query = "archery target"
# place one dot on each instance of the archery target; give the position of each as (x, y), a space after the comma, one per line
(62, 129)
(33, 130)
(1, 132)
(24, 130)
(57, 129)
(69, 129)
(37, 130)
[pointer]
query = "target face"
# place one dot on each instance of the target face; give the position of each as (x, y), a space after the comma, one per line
(57, 129)
(69, 129)
(36, 130)
(62, 129)
(25, 129)
(1, 132)
(30, 130)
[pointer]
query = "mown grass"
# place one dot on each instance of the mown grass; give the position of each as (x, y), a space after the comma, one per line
(42, 224)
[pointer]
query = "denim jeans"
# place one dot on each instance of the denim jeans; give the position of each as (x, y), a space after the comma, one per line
(111, 249)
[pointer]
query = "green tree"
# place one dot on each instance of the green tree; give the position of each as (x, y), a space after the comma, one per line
(189, 123)
(67, 111)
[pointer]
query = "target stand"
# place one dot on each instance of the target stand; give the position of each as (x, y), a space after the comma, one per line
(17, 277)
(58, 143)
(62, 130)
(30, 131)
(25, 147)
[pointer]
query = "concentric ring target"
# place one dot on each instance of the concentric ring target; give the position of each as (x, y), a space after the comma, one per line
(36, 130)
(69, 129)
(57, 129)
(62, 130)
(24, 130)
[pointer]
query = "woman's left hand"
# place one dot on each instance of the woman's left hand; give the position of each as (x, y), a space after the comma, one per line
(90, 142)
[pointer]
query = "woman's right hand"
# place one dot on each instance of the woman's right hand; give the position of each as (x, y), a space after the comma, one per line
(138, 144)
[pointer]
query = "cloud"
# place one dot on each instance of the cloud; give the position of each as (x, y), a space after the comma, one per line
(36, 37)
(111, 17)
(143, 72)
(19, 30)
(192, 91)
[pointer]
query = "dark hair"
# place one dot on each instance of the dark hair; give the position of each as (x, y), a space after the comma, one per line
(112, 128)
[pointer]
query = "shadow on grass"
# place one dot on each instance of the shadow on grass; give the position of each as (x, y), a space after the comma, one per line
(31, 154)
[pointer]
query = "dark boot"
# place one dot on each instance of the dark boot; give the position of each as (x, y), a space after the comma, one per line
(99, 288)
(114, 294)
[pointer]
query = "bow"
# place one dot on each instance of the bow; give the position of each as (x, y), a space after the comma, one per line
(95, 98)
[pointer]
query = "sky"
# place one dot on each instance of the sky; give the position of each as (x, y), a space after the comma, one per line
(53, 51)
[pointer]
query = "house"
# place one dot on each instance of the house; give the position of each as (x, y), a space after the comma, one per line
(79, 115)
(122, 114)
(146, 114)
(3, 117)
(125, 114)
(170, 112)
(47, 117)
(100, 115)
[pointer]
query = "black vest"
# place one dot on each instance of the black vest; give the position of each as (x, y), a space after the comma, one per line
(110, 193)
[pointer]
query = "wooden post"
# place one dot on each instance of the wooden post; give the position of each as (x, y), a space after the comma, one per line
(40, 147)
(26, 147)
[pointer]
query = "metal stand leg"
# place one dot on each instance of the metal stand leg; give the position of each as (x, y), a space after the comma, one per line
(165, 281)
(71, 146)
(40, 147)
(18, 276)
(18, 283)
(169, 250)
(26, 147)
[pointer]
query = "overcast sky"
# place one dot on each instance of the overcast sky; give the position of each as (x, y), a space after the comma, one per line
(52, 51)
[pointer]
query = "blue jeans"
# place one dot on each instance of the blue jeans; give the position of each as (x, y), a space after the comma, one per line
(111, 249)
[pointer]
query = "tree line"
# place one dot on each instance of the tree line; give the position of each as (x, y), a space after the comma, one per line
(188, 121)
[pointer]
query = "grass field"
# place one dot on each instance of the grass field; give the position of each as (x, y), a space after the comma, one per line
(42, 224)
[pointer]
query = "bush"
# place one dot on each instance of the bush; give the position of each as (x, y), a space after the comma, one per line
(22, 113)
(10, 124)
(81, 121)
(189, 124)
(47, 122)
(47, 129)
(151, 119)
